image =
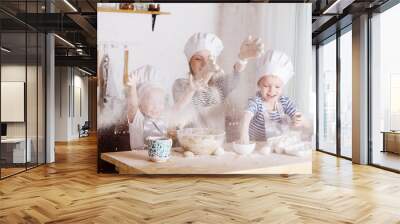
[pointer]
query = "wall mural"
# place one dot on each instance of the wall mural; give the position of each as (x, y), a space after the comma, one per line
(205, 88)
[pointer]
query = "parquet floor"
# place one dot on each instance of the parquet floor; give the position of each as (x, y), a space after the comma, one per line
(70, 191)
(387, 159)
(10, 171)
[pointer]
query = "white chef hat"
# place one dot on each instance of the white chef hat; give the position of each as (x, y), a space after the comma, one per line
(146, 73)
(147, 79)
(276, 63)
(203, 41)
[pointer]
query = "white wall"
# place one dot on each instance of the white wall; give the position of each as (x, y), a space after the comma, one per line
(66, 121)
(285, 27)
(61, 103)
(162, 48)
(80, 83)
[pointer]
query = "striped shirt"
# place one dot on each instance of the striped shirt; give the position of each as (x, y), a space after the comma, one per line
(257, 107)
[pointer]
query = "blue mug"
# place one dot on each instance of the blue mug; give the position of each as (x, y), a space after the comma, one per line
(159, 148)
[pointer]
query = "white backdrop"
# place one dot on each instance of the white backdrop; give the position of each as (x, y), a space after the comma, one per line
(285, 27)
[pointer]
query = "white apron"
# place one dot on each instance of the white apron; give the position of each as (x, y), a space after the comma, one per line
(143, 127)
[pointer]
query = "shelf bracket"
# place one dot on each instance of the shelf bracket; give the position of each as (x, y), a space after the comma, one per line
(153, 21)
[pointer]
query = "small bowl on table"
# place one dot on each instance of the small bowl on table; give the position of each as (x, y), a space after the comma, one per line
(244, 149)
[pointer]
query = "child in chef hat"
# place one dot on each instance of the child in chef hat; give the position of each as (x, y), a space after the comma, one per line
(146, 106)
(270, 108)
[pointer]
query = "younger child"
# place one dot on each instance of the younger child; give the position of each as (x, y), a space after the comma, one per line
(269, 110)
(146, 107)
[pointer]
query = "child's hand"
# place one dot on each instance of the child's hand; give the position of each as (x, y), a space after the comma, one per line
(298, 119)
(251, 48)
(132, 80)
(213, 67)
(244, 139)
(206, 74)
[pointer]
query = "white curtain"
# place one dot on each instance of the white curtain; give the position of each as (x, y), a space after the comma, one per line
(284, 27)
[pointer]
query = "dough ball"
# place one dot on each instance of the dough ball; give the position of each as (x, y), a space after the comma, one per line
(188, 154)
(220, 151)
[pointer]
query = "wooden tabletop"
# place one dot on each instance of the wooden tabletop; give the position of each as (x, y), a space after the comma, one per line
(391, 132)
(137, 162)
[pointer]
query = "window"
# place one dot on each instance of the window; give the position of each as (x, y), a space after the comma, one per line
(385, 89)
(22, 67)
(346, 94)
(394, 101)
(327, 97)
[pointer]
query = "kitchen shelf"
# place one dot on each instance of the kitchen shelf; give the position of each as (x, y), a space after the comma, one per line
(132, 11)
(153, 14)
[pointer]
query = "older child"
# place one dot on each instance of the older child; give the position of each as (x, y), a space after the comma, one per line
(269, 110)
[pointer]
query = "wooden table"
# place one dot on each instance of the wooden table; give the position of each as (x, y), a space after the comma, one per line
(391, 141)
(137, 162)
(15, 148)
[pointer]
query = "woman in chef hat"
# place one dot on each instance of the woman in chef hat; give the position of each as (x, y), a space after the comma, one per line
(202, 93)
(269, 110)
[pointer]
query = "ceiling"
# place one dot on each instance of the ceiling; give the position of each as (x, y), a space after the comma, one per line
(77, 24)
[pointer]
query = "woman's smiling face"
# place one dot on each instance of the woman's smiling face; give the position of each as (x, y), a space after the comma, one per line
(271, 87)
(198, 64)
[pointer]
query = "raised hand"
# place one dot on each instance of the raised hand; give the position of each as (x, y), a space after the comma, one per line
(213, 67)
(251, 48)
(132, 80)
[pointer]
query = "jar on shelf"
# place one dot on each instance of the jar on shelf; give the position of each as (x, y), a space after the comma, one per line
(154, 7)
(141, 6)
(151, 7)
(127, 6)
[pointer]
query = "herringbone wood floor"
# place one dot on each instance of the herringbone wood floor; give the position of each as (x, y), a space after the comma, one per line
(70, 191)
